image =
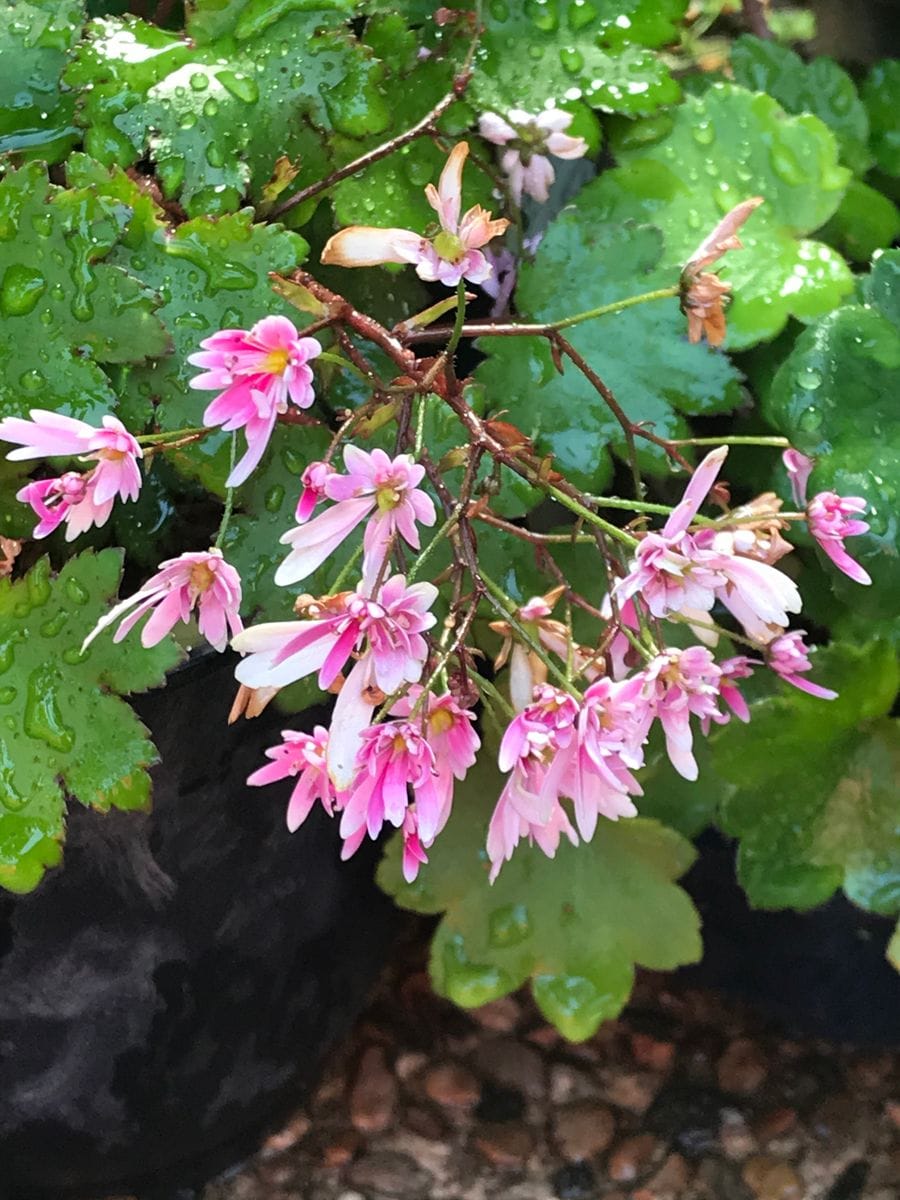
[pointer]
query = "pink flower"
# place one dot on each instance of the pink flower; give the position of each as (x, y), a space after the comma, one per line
(50, 434)
(285, 651)
(448, 730)
(529, 140)
(789, 658)
(258, 372)
(69, 498)
(301, 756)
(670, 571)
(597, 765)
(413, 855)
(453, 254)
(831, 520)
(508, 827)
(733, 670)
(313, 480)
(393, 758)
(678, 572)
(680, 684)
(201, 580)
(799, 469)
(376, 486)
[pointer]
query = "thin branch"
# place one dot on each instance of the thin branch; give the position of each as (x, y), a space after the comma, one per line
(427, 125)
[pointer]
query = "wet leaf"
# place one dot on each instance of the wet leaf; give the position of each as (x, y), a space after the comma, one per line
(881, 96)
(36, 114)
(820, 87)
(683, 171)
(216, 117)
(835, 398)
(602, 52)
(210, 274)
(64, 731)
(575, 927)
(65, 308)
(813, 787)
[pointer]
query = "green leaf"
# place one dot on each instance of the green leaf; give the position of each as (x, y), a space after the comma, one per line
(575, 926)
(684, 170)
(211, 274)
(881, 96)
(641, 353)
(813, 787)
(36, 117)
(216, 117)
(893, 950)
(63, 729)
(64, 310)
(820, 87)
(834, 397)
(865, 221)
(532, 51)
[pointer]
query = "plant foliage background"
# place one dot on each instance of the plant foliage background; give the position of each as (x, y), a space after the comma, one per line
(143, 160)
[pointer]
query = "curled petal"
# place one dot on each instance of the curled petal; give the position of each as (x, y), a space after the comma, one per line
(369, 246)
(723, 237)
(695, 493)
(447, 197)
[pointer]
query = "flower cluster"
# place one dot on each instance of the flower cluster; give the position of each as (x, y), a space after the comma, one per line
(402, 734)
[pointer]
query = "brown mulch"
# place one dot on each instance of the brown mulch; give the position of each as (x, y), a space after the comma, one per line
(687, 1096)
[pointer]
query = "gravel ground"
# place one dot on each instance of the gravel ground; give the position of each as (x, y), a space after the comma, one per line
(686, 1097)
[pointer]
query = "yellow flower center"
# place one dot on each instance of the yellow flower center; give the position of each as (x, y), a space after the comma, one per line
(276, 361)
(387, 497)
(441, 720)
(399, 744)
(202, 578)
(449, 247)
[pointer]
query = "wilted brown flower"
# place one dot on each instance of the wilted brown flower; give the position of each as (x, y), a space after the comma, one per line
(702, 291)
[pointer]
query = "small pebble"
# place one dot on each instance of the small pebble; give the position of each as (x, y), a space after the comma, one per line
(512, 1064)
(574, 1181)
(453, 1085)
(650, 1053)
(425, 1123)
(735, 1138)
(373, 1096)
(583, 1129)
(633, 1090)
(633, 1157)
(743, 1068)
(295, 1129)
(774, 1124)
(501, 1016)
(769, 1179)
(499, 1104)
(389, 1173)
(504, 1145)
(670, 1180)
(338, 1150)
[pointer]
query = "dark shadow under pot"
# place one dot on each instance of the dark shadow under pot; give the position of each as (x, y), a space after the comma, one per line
(170, 991)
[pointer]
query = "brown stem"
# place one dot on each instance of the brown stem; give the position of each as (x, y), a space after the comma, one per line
(756, 17)
(427, 125)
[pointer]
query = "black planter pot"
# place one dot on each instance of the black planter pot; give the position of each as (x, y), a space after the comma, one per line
(171, 990)
(821, 973)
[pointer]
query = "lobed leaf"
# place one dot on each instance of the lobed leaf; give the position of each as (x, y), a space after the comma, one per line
(64, 731)
(818, 809)
(65, 307)
(575, 926)
(37, 116)
(834, 397)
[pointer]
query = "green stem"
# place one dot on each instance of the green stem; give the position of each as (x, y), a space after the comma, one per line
(485, 686)
(616, 306)
(345, 570)
(586, 514)
(229, 496)
(781, 442)
(459, 320)
(153, 439)
(432, 545)
(505, 605)
(338, 361)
